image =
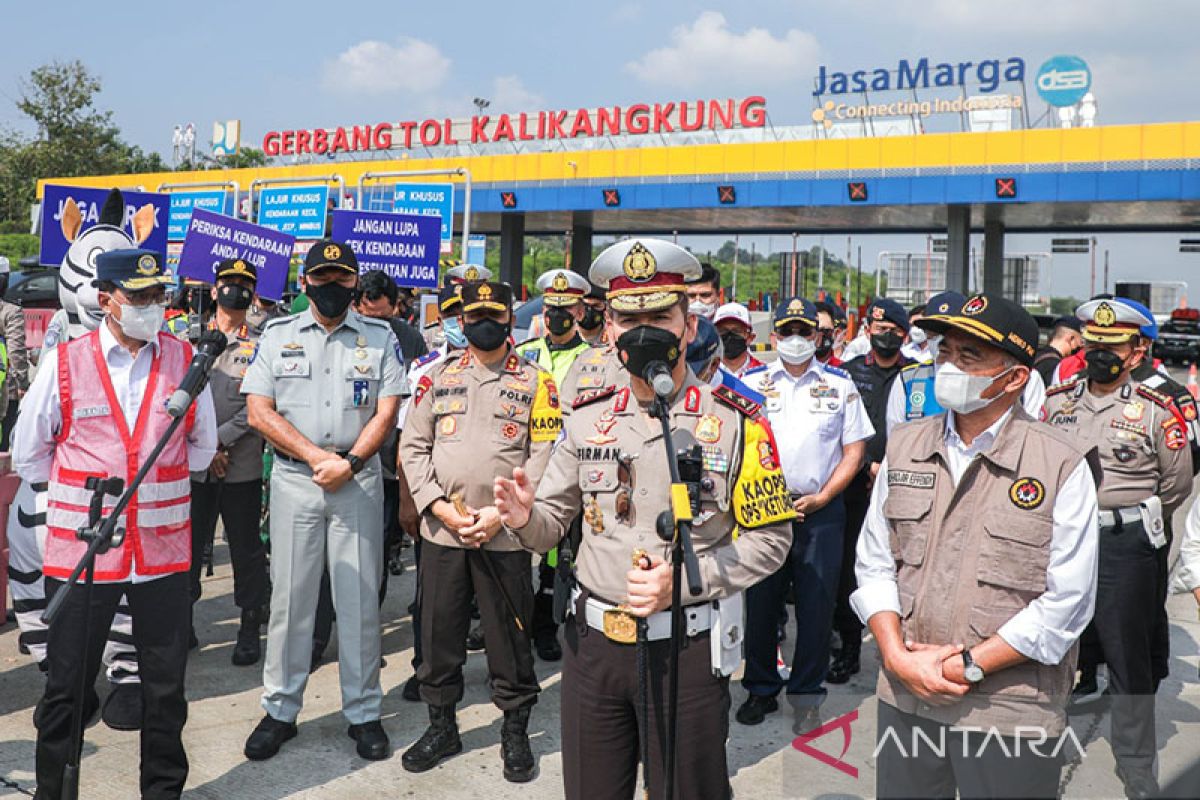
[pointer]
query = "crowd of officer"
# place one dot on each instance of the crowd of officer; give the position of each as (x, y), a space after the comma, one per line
(919, 481)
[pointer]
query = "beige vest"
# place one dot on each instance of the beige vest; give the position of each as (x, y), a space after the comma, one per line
(969, 557)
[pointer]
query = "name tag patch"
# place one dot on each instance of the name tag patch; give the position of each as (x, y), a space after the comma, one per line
(91, 411)
(915, 480)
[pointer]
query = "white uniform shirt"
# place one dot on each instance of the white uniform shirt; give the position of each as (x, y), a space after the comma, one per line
(1045, 629)
(813, 416)
(916, 352)
(1033, 397)
(859, 346)
(1187, 571)
(41, 414)
(418, 368)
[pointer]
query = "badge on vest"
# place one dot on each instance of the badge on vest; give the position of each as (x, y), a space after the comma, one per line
(90, 412)
(915, 480)
(1027, 493)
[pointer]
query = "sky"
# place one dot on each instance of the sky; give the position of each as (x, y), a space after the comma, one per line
(301, 64)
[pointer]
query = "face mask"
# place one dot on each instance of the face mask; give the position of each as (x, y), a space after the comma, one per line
(1104, 366)
(331, 299)
(645, 344)
(234, 297)
(796, 349)
(702, 309)
(142, 322)
(824, 345)
(454, 333)
(734, 344)
(487, 334)
(559, 321)
(592, 318)
(886, 344)
(960, 392)
(917, 335)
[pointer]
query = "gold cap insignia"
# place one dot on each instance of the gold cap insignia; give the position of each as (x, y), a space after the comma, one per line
(471, 274)
(796, 307)
(639, 264)
(559, 284)
(877, 313)
(146, 265)
(332, 251)
(1105, 315)
(485, 292)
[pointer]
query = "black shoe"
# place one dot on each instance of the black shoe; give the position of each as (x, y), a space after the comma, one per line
(123, 707)
(1139, 782)
(756, 708)
(412, 690)
(475, 641)
(548, 648)
(268, 736)
(1086, 692)
(412, 608)
(439, 741)
(807, 720)
(846, 663)
(514, 747)
(248, 648)
(395, 565)
(373, 744)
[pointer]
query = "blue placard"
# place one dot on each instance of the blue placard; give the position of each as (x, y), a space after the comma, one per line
(428, 200)
(405, 246)
(295, 210)
(182, 203)
(476, 249)
(213, 237)
(149, 229)
(1063, 80)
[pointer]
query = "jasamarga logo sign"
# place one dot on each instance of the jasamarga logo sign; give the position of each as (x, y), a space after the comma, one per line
(921, 74)
(830, 112)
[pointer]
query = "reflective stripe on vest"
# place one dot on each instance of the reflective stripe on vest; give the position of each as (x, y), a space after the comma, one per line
(919, 398)
(95, 441)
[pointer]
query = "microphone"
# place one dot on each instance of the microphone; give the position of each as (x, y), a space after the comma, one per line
(658, 375)
(210, 346)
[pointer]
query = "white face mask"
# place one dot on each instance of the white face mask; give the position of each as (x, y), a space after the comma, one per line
(960, 392)
(142, 322)
(702, 309)
(917, 335)
(796, 349)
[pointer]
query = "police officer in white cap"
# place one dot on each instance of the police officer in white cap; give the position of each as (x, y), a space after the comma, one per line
(464, 273)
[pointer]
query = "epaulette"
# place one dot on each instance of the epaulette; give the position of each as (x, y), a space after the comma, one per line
(912, 366)
(736, 401)
(378, 323)
(755, 370)
(271, 323)
(421, 361)
(1065, 386)
(530, 340)
(590, 396)
(836, 371)
(1157, 397)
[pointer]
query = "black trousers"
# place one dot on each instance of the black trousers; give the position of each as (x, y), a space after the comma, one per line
(450, 577)
(10, 419)
(944, 761)
(857, 498)
(392, 531)
(600, 709)
(236, 503)
(1131, 574)
(161, 609)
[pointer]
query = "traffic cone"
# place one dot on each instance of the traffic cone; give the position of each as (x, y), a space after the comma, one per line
(1191, 384)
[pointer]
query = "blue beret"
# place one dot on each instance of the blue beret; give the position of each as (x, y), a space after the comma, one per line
(887, 310)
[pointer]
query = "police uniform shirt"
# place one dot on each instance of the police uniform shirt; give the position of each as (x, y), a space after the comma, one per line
(243, 444)
(813, 416)
(1046, 629)
(594, 370)
(1142, 446)
(326, 384)
(1032, 399)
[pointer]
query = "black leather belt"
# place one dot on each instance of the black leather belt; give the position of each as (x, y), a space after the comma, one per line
(282, 456)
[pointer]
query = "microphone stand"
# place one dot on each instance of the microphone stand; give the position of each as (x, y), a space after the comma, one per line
(675, 526)
(101, 535)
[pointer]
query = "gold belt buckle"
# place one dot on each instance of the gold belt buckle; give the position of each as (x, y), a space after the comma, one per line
(620, 626)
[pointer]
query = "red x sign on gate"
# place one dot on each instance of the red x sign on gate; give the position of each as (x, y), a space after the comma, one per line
(508, 199)
(858, 191)
(726, 194)
(1006, 187)
(612, 197)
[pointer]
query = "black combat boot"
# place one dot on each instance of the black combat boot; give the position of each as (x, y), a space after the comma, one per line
(846, 663)
(514, 746)
(248, 648)
(439, 741)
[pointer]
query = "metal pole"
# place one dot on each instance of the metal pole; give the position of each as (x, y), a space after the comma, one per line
(1092, 284)
(821, 264)
(736, 247)
(859, 282)
(792, 282)
(1106, 269)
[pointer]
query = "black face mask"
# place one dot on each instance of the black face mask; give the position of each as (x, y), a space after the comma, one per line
(735, 344)
(645, 344)
(234, 297)
(331, 299)
(559, 321)
(824, 346)
(886, 344)
(592, 318)
(486, 334)
(1104, 366)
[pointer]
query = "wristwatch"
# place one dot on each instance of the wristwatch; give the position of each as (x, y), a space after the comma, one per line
(356, 463)
(972, 672)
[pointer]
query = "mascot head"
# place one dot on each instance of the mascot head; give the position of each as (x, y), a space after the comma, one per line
(75, 291)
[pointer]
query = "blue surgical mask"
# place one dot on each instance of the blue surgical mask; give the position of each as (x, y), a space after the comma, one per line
(454, 333)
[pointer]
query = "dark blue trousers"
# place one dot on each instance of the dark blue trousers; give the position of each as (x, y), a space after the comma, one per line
(814, 565)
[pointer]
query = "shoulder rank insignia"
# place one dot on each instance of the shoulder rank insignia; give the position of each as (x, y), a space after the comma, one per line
(736, 401)
(592, 395)
(421, 361)
(1065, 386)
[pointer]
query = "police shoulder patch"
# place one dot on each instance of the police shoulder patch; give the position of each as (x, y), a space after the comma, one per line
(1156, 396)
(1027, 493)
(592, 395)
(1065, 386)
(836, 371)
(736, 401)
(421, 361)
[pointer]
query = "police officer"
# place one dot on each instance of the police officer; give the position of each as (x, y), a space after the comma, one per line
(233, 482)
(1143, 448)
(822, 430)
(873, 373)
(737, 334)
(976, 573)
(475, 416)
(704, 292)
(611, 465)
(1065, 340)
(591, 324)
(323, 388)
(97, 407)
(562, 298)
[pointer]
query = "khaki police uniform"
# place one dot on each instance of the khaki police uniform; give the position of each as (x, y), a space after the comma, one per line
(611, 466)
(594, 369)
(327, 386)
